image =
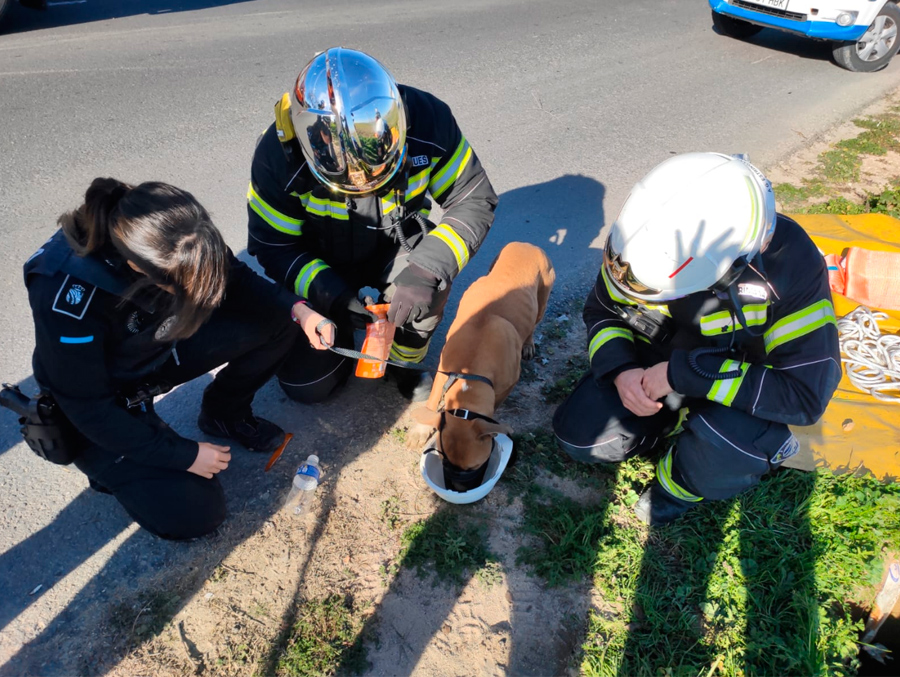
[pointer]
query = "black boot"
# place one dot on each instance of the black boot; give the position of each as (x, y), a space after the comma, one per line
(414, 385)
(657, 506)
(256, 434)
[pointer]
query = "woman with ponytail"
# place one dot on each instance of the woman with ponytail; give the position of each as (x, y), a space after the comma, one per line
(135, 294)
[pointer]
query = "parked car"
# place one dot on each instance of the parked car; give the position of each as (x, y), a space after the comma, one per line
(863, 32)
(6, 4)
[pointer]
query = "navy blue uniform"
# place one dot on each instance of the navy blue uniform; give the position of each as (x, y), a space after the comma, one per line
(93, 347)
(734, 429)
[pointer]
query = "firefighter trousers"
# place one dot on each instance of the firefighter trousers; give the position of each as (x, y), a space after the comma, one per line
(710, 451)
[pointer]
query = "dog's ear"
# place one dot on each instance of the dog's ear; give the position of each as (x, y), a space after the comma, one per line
(425, 416)
(487, 429)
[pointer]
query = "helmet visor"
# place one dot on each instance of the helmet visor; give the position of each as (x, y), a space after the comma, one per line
(623, 277)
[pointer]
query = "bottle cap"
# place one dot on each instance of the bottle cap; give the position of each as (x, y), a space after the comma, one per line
(312, 459)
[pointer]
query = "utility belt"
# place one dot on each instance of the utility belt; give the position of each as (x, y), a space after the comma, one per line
(44, 427)
(49, 433)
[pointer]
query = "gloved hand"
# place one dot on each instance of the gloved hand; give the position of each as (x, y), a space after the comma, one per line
(413, 296)
(349, 311)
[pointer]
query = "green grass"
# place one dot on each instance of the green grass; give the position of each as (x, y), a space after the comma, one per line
(574, 369)
(451, 546)
(323, 639)
(765, 584)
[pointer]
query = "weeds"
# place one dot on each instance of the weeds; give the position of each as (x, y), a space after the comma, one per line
(451, 547)
(574, 369)
(390, 512)
(324, 638)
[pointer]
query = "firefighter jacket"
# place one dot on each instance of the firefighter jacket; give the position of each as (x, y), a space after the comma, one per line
(93, 338)
(786, 374)
(317, 242)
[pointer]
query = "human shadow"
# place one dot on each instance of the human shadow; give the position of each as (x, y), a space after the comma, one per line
(143, 572)
(22, 19)
(760, 560)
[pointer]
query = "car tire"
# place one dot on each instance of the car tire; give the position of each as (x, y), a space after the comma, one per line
(734, 28)
(874, 50)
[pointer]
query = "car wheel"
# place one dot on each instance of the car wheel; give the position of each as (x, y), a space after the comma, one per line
(734, 28)
(876, 47)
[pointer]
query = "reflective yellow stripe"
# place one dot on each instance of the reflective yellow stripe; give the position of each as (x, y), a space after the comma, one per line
(614, 293)
(604, 335)
(418, 183)
(278, 221)
(307, 275)
(450, 238)
(799, 324)
(725, 390)
(664, 475)
(679, 425)
(451, 171)
(756, 213)
(722, 322)
(405, 354)
(325, 207)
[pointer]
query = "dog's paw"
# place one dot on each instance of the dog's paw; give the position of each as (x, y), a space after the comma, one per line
(528, 350)
(418, 435)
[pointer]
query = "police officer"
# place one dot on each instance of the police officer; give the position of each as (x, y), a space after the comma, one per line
(136, 293)
(339, 200)
(710, 329)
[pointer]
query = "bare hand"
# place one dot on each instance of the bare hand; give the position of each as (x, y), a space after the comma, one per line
(656, 381)
(309, 319)
(211, 459)
(632, 394)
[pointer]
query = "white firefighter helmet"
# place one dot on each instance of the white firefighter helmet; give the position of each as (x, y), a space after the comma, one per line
(693, 223)
(350, 121)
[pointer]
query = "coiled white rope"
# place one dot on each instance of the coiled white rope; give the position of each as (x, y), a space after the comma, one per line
(872, 359)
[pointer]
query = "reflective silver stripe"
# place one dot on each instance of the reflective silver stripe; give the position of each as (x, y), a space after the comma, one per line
(724, 391)
(605, 335)
(451, 171)
(722, 322)
(307, 275)
(799, 324)
(278, 221)
(324, 207)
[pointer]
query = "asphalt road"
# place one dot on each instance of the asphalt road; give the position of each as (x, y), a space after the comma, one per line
(566, 102)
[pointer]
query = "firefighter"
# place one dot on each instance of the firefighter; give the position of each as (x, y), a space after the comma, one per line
(339, 199)
(710, 330)
(136, 293)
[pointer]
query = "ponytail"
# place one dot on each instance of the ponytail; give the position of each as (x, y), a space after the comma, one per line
(87, 228)
(167, 235)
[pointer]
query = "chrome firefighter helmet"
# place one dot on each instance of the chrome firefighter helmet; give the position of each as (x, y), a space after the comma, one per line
(350, 121)
(693, 223)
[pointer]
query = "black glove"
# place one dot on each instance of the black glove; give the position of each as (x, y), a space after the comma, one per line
(413, 296)
(349, 311)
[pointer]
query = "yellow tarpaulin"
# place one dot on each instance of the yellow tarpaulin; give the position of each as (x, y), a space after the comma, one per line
(857, 432)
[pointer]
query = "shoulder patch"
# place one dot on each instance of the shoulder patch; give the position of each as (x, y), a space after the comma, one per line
(73, 298)
(756, 291)
(420, 161)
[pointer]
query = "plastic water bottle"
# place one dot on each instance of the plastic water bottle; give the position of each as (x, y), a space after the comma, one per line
(304, 487)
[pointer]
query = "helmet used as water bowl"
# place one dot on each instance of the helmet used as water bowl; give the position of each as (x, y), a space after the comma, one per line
(432, 466)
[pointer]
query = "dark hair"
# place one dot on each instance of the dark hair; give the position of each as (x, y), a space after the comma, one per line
(166, 233)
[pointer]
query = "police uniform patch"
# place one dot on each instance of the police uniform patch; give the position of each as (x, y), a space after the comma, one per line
(788, 449)
(73, 298)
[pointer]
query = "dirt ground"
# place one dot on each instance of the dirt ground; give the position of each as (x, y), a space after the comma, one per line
(504, 623)
(224, 613)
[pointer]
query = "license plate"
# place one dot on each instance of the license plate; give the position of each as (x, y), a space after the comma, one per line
(775, 4)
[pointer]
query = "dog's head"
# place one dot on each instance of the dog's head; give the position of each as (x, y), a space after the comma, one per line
(465, 442)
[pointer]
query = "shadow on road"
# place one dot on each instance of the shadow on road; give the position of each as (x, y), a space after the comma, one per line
(68, 12)
(797, 45)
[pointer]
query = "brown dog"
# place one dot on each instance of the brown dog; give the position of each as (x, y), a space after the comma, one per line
(493, 331)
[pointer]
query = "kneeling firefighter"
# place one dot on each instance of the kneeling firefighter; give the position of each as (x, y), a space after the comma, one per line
(711, 329)
(339, 200)
(136, 293)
